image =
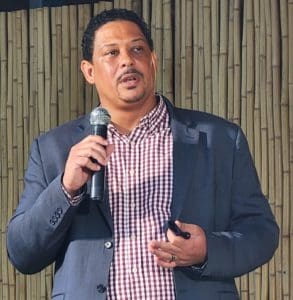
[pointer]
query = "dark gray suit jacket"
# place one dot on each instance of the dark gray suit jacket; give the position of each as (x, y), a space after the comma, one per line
(215, 185)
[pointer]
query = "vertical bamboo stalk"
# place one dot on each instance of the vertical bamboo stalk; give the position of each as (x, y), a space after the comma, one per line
(250, 81)
(207, 56)
(257, 125)
(40, 70)
(195, 75)
(146, 11)
(5, 79)
(177, 78)
(215, 55)
(88, 88)
(47, 66)
(230, 70)
(271, 145)
(74, 65)
(157, 20)
(54, 80)
(66, 63)
(168, 51)
(243, 109)
(188, 54)
(244, 279)
(80, 78)
(285, 152)
(223, 58)
(277, 136)
(201, 75)
(60, 94)
(237, 68)
(290, 64)
(264, 132)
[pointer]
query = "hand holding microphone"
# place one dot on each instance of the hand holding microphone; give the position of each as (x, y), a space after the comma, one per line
(89, 156)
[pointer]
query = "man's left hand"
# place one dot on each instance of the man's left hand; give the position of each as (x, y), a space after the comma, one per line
(180, 252)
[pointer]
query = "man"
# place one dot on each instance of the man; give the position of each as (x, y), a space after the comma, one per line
(162, 164)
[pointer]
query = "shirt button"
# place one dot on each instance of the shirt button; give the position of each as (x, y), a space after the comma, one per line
(131, 172)
(101, 288)
(134, 270)
(108, 245)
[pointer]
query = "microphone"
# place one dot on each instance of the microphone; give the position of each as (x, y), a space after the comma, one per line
(99, 120)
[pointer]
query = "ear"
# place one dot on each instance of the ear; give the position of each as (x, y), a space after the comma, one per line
(88, 71)
(154, 62)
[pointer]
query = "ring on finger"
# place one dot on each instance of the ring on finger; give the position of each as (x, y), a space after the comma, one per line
(172, 258)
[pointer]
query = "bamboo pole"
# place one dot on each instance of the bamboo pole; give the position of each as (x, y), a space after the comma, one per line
(285, 152)
(4, 93)
(215, 55)
(73, 65)
(177, 53)
(244, 278)
(47, 67)
(187, 22)
(230, 70)
(168, 51)
(65, 63)
(201, 75)
(54, 81)
(223, 58)
(207, 56)
(157, 30)
(277, 134)
(257, 129)
(237, 69)
(195, 75)
(271, 145)
(264, 133)
(250, 81)
(290, 83)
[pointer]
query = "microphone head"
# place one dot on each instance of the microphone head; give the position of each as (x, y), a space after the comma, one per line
(100, 116)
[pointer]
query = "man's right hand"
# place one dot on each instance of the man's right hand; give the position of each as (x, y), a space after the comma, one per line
(80, 163)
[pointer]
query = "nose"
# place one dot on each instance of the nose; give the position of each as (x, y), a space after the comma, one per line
(126, 59)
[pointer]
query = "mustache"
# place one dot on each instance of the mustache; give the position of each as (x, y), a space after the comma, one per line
(129, 71)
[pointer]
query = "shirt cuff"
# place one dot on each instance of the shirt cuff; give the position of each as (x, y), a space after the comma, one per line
(74, 200)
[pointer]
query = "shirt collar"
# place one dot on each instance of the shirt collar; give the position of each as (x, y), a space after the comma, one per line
(156, 120)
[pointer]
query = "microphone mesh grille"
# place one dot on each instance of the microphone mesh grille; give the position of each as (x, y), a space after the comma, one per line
(100, 116)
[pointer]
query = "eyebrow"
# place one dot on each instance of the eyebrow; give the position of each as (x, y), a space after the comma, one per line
(132, 41)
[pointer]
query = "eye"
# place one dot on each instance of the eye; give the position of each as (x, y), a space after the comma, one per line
(111, 52)
(138, 49)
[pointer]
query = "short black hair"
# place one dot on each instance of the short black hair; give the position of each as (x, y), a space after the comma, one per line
(108, 16)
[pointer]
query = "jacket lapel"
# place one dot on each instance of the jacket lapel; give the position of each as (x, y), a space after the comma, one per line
(189, 146)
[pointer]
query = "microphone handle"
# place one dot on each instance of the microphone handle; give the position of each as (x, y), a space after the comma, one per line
(98, 178)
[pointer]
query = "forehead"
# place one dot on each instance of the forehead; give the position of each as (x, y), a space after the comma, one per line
(115, 31)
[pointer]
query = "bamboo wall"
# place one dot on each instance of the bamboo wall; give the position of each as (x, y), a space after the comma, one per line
(233, 58)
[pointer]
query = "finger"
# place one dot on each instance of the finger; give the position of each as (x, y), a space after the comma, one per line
(94, 151)
(164, 264)
(95, 139)
(162, 255)
(165, 247)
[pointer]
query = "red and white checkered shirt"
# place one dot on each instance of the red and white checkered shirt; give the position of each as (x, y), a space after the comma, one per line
(139, 176)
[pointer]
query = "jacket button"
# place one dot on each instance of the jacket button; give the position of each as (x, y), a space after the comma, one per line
(108, 245)
(101, 288)
(59, 210)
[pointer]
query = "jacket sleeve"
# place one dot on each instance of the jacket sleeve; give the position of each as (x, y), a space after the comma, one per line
(253, 234)
(38, 228)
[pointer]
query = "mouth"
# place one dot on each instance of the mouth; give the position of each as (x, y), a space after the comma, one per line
(130, 80)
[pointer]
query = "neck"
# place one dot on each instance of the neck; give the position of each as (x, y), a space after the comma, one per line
(126, 118)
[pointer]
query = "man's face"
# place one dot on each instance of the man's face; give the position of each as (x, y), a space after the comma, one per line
(123, 66)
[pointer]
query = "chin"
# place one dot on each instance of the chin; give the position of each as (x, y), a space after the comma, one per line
(132, 97)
